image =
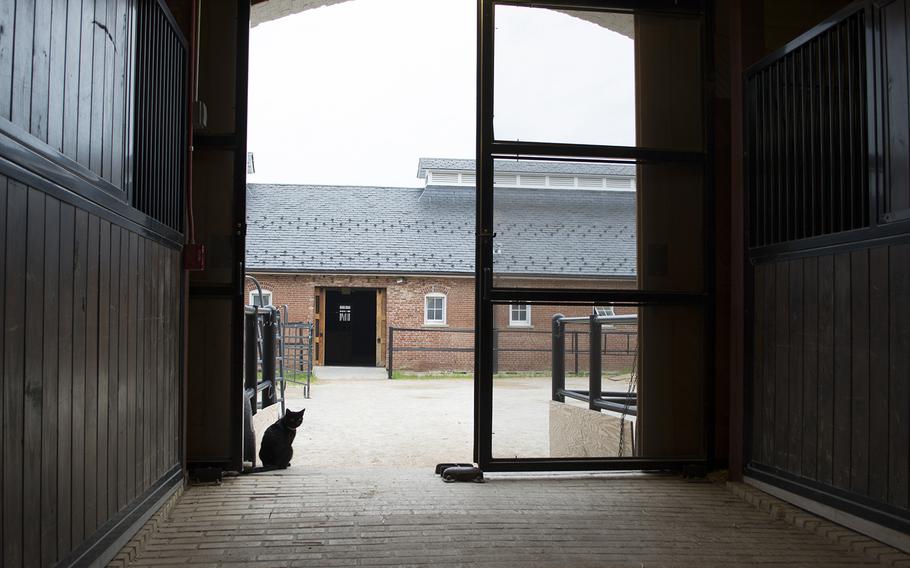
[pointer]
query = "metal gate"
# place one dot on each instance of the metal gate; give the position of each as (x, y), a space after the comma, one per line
(296, 343)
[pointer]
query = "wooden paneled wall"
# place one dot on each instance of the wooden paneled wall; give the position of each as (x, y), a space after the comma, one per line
(91, 292)
(64, 69)
(89, 358)
(831, 372)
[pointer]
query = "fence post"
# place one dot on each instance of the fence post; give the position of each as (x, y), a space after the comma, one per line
(269, 395)
(251, 356)
(495, 351)
(558, 358)
(309, 362)
(575, 349)
(594, 387)
(391, 350)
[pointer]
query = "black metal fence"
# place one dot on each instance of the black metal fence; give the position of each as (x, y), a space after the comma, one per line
(261, 357)
(807, 125)
(297, 353)
(623, 402)
(530, 346)
(160, 130)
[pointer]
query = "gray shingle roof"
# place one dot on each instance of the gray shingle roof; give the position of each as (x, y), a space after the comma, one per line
(527, 166)
(306, 228)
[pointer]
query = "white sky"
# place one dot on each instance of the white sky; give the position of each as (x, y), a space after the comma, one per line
(357, 92)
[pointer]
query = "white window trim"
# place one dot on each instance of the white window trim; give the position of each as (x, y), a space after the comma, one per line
(610, 309)
(445, 302)
(265, 293)
(519, 323)
(537, 180)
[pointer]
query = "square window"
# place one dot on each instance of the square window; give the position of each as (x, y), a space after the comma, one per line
(265, 300)
(435, 309)
(519, 315)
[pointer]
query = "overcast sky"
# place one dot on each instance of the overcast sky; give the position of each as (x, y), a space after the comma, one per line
(357, 92)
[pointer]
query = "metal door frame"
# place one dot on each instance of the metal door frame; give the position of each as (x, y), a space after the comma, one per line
(487, 294)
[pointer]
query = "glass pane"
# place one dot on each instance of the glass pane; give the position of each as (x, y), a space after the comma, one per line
(597, 78)
(652, 384)
(644, 233)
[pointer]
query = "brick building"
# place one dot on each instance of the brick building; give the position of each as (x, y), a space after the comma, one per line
(362, 263)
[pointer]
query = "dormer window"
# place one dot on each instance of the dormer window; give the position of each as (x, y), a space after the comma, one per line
(531, 174)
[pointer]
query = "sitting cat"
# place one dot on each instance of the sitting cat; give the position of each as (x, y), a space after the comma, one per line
(276, 450)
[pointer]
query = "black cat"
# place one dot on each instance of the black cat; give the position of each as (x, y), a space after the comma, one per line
(277, 442)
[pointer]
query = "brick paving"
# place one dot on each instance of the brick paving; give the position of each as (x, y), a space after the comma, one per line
(408, 517)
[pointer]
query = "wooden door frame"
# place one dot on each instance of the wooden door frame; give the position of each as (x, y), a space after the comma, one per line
(381, 319)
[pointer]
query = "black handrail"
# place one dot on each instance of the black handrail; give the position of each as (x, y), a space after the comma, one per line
(623, 402)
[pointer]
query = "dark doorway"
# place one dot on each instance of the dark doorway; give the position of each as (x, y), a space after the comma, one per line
(350, 328)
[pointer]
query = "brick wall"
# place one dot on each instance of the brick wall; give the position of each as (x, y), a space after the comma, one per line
(521, 349)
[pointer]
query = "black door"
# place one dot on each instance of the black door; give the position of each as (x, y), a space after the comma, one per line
(350, 328)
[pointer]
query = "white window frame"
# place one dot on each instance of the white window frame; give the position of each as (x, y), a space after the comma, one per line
(426, 309)
(520, 322)
(266, 294)
(608, 311)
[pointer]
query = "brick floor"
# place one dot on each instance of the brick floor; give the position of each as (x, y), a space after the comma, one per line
(386, 517)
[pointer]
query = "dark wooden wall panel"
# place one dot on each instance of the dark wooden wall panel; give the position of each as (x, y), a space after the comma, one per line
(859, 390)
(63, 68)
(77, 467)
(3, 214)
(65, 408)
(825, 369)
(13, 368)
(70, 340)
(34, 389)
(782, 367)
(899, 386)
(794, 304)
(809, 462)
(831, 372)
(879, 356)
(104, 366)
(49, 409)
(90, 294)
(896, 89)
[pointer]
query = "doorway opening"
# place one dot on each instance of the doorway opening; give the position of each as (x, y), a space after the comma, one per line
(350, 335)
(552, 311)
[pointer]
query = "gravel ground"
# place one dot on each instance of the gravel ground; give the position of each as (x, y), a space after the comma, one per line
(417, 423)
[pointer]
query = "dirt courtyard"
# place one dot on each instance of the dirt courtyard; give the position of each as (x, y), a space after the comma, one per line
(375, 422)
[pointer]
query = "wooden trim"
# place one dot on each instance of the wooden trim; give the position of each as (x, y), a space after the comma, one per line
(381, 326)
(319, 325)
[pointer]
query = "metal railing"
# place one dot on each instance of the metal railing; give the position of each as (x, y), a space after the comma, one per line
(623, 402)
(160, 129)
(297, 353)
(390, 362)
(614, 342)
(263, 370)
(807, 124)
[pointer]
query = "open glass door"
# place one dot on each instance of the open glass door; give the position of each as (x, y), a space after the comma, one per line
(594, 250)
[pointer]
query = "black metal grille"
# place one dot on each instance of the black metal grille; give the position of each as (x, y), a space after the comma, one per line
(160, 130)
(806, 138)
